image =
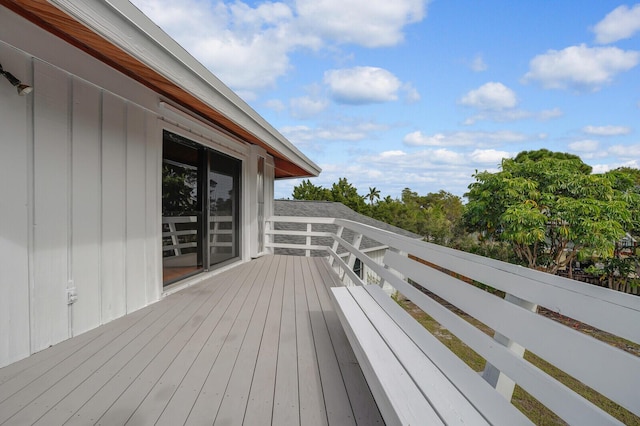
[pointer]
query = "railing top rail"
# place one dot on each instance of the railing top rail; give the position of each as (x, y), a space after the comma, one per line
(302, 219)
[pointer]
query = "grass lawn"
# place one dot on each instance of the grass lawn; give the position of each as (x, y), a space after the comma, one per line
(528, 405)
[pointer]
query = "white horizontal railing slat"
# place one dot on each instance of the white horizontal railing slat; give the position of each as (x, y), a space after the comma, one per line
(542, 336)
(568, 297)
(179, 246)
(296, 246)
(492, 405)
(300, 233)
(453, 407)
(373, 354)
(179, 219)
(180, 233)
(553, 394)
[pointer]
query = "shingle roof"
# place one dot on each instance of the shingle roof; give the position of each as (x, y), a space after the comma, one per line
(327, 209)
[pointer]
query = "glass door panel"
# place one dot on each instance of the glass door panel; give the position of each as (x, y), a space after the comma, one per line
(182, 224)
(224, 188)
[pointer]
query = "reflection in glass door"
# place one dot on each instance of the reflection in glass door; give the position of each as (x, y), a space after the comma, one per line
(181, 209)
(197, 183)
(224, 174)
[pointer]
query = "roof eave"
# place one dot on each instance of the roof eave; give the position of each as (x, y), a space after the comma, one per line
(130, 42)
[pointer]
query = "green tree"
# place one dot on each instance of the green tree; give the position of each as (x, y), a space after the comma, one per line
(373, 194)
(550, 208)
(179, 190)
(308, 191)
(347, 194)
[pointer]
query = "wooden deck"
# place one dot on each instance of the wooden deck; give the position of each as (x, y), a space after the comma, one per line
(258, 344)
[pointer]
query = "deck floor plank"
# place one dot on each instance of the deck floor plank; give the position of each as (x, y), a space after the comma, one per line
(259, 408)
(337, 401)
(27, 402)
(208, 401)
(234, 402)
(148, 364)
(20, 374)
(359, 395)
(136, 355)
(173, 396)
(312, 408)
(257, 344)
(286, 402)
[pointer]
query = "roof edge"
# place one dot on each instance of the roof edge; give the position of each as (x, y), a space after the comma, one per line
(125, 26)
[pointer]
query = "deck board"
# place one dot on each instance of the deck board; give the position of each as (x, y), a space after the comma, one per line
(258, 344)
(260, 400)
(354, 380)
(312, 409)
(286, 410)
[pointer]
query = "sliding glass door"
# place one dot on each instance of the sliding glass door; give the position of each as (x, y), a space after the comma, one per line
(200, 208)
(224, 174)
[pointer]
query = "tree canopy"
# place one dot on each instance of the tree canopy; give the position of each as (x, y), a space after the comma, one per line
(435, 216)
(543, 209)
(550, 208)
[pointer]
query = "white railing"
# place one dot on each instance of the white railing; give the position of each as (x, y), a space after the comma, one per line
(410, 266)
(176, 240)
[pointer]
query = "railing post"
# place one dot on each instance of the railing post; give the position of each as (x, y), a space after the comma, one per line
(335, 243)
(388, 288)
(503, 384)
(357, 240)
(308, 240)
(267, 238)
(174, 239)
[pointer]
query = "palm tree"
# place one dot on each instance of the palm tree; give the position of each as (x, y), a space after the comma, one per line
(373, 194)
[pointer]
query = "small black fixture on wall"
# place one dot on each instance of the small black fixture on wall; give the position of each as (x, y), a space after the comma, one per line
(23, 89)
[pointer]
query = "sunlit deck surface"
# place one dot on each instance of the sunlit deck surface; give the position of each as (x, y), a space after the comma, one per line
(258, 344)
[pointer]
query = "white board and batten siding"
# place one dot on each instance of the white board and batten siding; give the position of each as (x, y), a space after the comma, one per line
(14, 230)
(83, 181)
(80, 191)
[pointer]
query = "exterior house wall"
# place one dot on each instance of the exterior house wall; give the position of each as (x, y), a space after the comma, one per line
(80, 190)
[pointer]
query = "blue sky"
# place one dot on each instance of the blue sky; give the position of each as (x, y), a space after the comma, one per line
(420, 94)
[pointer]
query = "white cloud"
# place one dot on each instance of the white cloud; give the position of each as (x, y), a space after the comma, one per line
(446, 156)
(606, 130)
(226, 36)
(369, 23)
(514, 115)
(489, 156)
(623, 22)
(580, 67)
(603, 168)
(548, 114)
(478, 64)
(411, 93)
(362, 85)
(347, 131)
(586, 145)
(600, 168)
(306, 107)
(626, 151)
(392, 154)
(490, 96)
(275, 104)
(465, 138)
(416, 161)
